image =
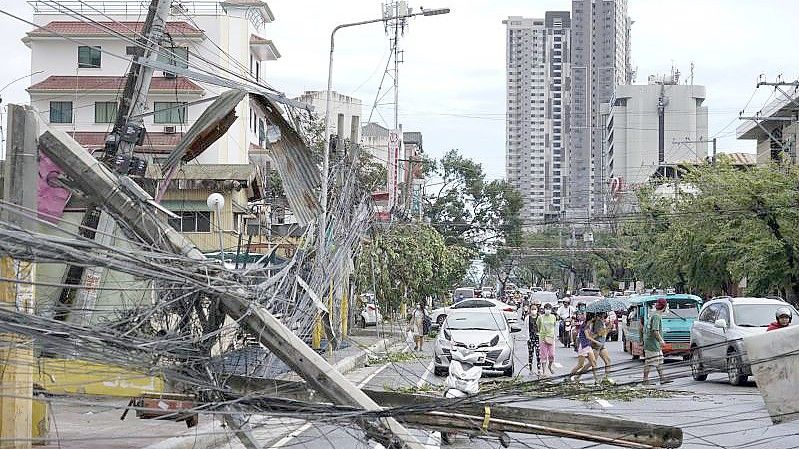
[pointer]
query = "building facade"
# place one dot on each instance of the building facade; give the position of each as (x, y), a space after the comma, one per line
(638, 142)
(600, 60)
(80, 57)
(537, 105)
(775, 130)
(345, 113)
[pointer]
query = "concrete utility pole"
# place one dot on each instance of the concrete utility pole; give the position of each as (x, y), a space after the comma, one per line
(101, 184)
(127, 133)
(16, 352)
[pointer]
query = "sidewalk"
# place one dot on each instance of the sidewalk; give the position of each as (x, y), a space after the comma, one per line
(78, 422)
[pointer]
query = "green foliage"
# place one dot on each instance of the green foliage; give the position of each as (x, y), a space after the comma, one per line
(407, 262)
(470, 211)
(737, 224)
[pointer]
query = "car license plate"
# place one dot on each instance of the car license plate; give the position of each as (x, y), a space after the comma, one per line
(676, 346)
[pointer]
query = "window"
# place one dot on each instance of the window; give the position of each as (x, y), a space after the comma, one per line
(105, 111)
(709, 314)
(88, 57)
(169, 112)
(473, 304)
(60, 112)
(191, 221)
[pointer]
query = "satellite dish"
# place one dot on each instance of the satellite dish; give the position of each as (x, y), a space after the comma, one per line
(215, 201)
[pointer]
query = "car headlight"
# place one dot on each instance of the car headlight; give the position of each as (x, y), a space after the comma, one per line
(495, 340)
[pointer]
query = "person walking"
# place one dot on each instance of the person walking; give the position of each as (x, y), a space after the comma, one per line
(585, 353)
(653, 342)
(598, 333)
(533, 349)
(417, 324)
(546, 338)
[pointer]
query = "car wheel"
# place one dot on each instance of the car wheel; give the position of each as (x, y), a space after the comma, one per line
(697, 367)
(440, 319)
(735, 368)
(508, 372)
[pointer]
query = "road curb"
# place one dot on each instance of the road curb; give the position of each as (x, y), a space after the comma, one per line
(214, 434)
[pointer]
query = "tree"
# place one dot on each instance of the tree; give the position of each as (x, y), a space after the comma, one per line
(734, 224)
(407, 262)
(470, 211)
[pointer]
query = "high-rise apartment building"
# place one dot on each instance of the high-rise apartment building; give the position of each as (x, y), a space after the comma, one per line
(600, 60)
(537, 70)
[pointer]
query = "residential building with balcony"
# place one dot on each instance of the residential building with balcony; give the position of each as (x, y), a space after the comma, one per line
(80, 56)
(537, 106)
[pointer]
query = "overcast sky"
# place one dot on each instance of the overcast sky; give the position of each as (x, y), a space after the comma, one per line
(452, 83)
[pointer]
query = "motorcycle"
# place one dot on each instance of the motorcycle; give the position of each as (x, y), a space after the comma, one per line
(464, 380)
(565, 336)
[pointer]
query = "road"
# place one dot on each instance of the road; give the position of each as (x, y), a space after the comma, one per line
(711, 413)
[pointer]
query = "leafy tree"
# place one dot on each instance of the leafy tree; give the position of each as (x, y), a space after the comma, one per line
(407, 262)
(470, 211)
(734, 224)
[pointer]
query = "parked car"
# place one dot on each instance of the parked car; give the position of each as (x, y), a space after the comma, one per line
(546, 298)
(716, 337)
(483, 330)
(465, 292)
(676, 324)
(370, 314)
(439, 315)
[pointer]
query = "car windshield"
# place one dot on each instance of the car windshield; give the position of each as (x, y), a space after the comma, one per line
(682, 309)
(755, 315)
(476, 321)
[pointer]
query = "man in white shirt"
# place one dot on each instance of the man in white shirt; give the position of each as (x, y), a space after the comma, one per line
(564, 311)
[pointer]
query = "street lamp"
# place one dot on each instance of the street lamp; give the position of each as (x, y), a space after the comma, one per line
(326, 159)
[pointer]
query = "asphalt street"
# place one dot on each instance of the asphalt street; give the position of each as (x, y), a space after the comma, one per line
(711, 413)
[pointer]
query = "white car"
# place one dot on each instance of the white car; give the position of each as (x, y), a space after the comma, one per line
(481, 330)
(370, 315)
(439, 315)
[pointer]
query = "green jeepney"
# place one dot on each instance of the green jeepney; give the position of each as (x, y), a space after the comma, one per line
(677, 321)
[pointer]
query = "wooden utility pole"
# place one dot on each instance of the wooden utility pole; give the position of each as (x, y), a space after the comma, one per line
(16, 352)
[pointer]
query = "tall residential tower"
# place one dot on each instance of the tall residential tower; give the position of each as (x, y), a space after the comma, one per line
(600, 54)
(537, 69)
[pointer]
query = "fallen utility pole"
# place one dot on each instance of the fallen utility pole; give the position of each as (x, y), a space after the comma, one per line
(98, 182)
(484, 417)
(16, 352)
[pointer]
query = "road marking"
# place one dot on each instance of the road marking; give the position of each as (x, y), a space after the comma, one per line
(427, 372)
(300, 430)
(557, 365)
(603, 403)
(372, 376)
(297, 432)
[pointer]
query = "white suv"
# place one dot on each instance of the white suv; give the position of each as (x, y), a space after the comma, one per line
(717, 334)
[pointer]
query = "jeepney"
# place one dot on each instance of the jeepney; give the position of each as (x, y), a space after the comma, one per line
(676, 323)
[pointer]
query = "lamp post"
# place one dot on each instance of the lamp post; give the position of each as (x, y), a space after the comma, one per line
(326, 149)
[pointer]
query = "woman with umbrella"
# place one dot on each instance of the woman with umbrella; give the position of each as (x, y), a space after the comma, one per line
(598, 331)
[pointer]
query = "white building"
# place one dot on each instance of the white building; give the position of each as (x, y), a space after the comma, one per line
(600, 60)
(80, 58)
(537, 70)
(80, 69)
(649, 127)
(345, 113)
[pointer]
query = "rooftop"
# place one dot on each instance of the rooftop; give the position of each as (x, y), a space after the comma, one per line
(88, 29)
(112, 84)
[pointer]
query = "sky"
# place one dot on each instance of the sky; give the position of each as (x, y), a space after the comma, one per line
(452, 80)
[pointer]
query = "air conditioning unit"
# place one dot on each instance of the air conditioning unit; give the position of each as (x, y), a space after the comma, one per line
(170, 129)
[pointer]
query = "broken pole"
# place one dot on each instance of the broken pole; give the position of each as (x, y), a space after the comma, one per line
(16, 352)
(97, 181)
